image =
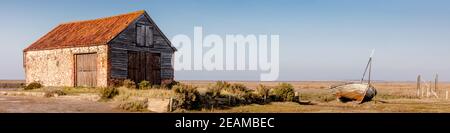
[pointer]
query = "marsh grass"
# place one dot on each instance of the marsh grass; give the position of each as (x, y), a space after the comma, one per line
(127, 93)
(134, 105)
(68, 90)
(79, 90)
(317, 97)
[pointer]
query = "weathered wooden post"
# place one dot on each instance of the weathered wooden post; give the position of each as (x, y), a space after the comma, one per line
(297, 94)
(170, 104)
(229, 100)
(418, 86)
(265, 98)
(436, 82)
(446, 95)
(429, 89)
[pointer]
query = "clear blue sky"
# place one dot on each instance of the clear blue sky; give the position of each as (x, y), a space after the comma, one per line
(319, 39)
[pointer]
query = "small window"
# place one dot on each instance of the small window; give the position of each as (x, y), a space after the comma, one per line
(144, 35)
(140, 35)
(148, 36)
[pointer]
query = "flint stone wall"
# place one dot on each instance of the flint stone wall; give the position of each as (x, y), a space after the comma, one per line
(56, 67)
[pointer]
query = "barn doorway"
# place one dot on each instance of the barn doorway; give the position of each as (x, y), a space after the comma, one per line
(144, 66)
(86, 70)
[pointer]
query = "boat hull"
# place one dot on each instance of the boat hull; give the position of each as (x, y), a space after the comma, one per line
(355, 92)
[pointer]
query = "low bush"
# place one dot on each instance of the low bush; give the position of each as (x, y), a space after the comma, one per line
(170, 85)
(238, 93)
(115, 83)
(145, 85)
(135, 105)
(263, 91)
(236, 87)
(222, 85)
(187, 97)
(33, 85)
(210, 99)
(129, 84)
(158, 87)
(213, 92)
(54, 93)
(234, 94)
(283, 92)
(108, 93)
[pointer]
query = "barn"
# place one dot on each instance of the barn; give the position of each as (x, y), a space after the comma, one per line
(101, 52)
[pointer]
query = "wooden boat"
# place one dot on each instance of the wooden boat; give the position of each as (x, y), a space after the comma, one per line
(359, 92)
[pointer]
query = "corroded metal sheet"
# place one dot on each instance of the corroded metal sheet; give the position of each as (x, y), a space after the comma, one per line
(85, 33)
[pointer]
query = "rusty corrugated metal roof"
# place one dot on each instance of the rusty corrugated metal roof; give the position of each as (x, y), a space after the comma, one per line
(85, 33)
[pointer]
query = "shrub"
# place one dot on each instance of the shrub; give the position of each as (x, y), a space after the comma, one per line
(210, 99)
(263, 92)
(108, 92)
(222, 85)
(129, 84)
(158, 87)
(135, 105)
(33, 85)
(255, 98)
(238, 87)
(115, 83)
(145, 85)
(213, 92)
(238, 92)
(170, 85)
(283, 92)
(187, 97)
(54, 93)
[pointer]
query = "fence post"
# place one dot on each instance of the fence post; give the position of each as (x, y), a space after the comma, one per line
(418, 86)
(436, 82)
(298, 95)
(446, 95)
(264, 98)
(170, 104)
(229, 100)
(429, 89)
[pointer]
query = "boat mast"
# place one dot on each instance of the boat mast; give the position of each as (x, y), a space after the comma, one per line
(368, 68)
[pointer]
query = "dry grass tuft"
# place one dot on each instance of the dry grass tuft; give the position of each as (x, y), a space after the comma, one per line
(126, 93)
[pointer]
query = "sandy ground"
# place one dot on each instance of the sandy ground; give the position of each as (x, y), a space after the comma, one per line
(27, 104)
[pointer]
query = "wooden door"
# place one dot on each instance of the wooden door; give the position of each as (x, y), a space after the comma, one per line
(144, 66)
(133, 66)
(86, 70)
(154, 69)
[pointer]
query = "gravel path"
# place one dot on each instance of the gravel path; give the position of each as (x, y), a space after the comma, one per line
(23, 104)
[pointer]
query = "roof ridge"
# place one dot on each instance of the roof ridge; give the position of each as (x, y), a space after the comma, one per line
(102, 18)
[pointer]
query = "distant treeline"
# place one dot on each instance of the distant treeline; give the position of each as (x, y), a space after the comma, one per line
(12, 83)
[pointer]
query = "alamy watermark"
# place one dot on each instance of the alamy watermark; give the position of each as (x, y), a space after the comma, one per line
(229, 53)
